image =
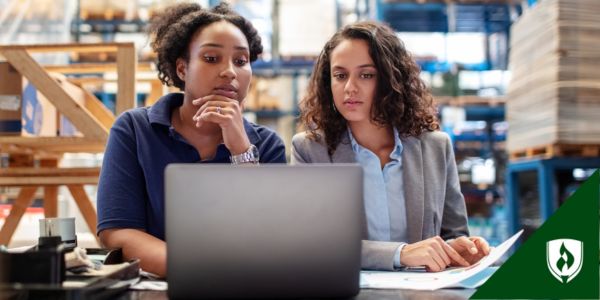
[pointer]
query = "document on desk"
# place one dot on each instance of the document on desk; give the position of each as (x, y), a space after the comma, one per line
(467, 277)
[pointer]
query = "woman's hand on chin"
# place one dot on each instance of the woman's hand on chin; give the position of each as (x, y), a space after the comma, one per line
(227, 113)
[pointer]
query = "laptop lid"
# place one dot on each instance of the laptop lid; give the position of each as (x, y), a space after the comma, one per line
(269, 231)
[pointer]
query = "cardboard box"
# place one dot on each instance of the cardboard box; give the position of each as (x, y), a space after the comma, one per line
(270, 94)
(554, 94)
(38, 114)
(25, 111)
(10, 100)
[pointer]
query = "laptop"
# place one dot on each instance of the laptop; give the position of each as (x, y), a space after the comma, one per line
(269, 231)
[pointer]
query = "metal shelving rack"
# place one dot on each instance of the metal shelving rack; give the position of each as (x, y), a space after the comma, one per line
(486, 17)
(546, 169)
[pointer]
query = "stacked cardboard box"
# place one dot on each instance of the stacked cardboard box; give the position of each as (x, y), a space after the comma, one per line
(270, 94)
(108, 9)
(554, 94)
(10, 100)
(25, 111)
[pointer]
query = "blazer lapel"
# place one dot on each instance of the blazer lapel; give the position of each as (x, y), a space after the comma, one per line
(344, 153)
(414, 193)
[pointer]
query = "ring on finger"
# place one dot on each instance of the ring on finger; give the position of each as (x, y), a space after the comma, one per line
(218, 109)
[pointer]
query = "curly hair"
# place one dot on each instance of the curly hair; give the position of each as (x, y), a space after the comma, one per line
(172, 30)
(401, 99)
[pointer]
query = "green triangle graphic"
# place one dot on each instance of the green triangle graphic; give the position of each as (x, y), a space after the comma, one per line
(526, 273)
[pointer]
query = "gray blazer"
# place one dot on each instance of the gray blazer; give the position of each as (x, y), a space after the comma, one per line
(434, 203)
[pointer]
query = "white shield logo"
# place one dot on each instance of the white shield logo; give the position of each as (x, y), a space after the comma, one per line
(564, 258)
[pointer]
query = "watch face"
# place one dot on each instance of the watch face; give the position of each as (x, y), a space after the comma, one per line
(255, 152)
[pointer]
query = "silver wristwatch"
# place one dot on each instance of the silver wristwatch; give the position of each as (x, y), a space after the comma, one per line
(251, 156)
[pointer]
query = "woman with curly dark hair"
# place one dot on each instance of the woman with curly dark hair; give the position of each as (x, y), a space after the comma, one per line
(206, 53)
(366, 104)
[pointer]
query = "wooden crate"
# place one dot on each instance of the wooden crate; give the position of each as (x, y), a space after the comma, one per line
(83, 110)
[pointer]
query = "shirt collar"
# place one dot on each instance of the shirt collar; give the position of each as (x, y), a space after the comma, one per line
(396, 153)
(160, 113)
(355, 146)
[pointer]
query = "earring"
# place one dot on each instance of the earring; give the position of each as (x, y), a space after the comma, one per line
(333, 106)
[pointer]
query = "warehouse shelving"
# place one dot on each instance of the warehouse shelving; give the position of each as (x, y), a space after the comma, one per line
(477, 129)
(487, 17)
(108, 26)
(482, 16)
(282, 67)
(549, 186)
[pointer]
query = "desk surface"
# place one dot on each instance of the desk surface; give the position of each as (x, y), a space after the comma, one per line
(365, 294)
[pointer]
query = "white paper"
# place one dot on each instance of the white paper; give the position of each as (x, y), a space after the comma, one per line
(436, 280)
(476, 280)
(150, 285)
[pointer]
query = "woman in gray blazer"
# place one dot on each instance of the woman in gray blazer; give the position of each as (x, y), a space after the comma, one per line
(366, 104)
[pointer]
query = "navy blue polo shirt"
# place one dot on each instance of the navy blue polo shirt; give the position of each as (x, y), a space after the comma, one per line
(142, 142)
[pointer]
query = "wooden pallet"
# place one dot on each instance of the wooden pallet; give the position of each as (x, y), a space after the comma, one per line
(556, 150)
(470, 100)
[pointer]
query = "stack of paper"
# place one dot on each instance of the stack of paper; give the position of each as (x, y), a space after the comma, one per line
(467, 277)
(554, 93)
